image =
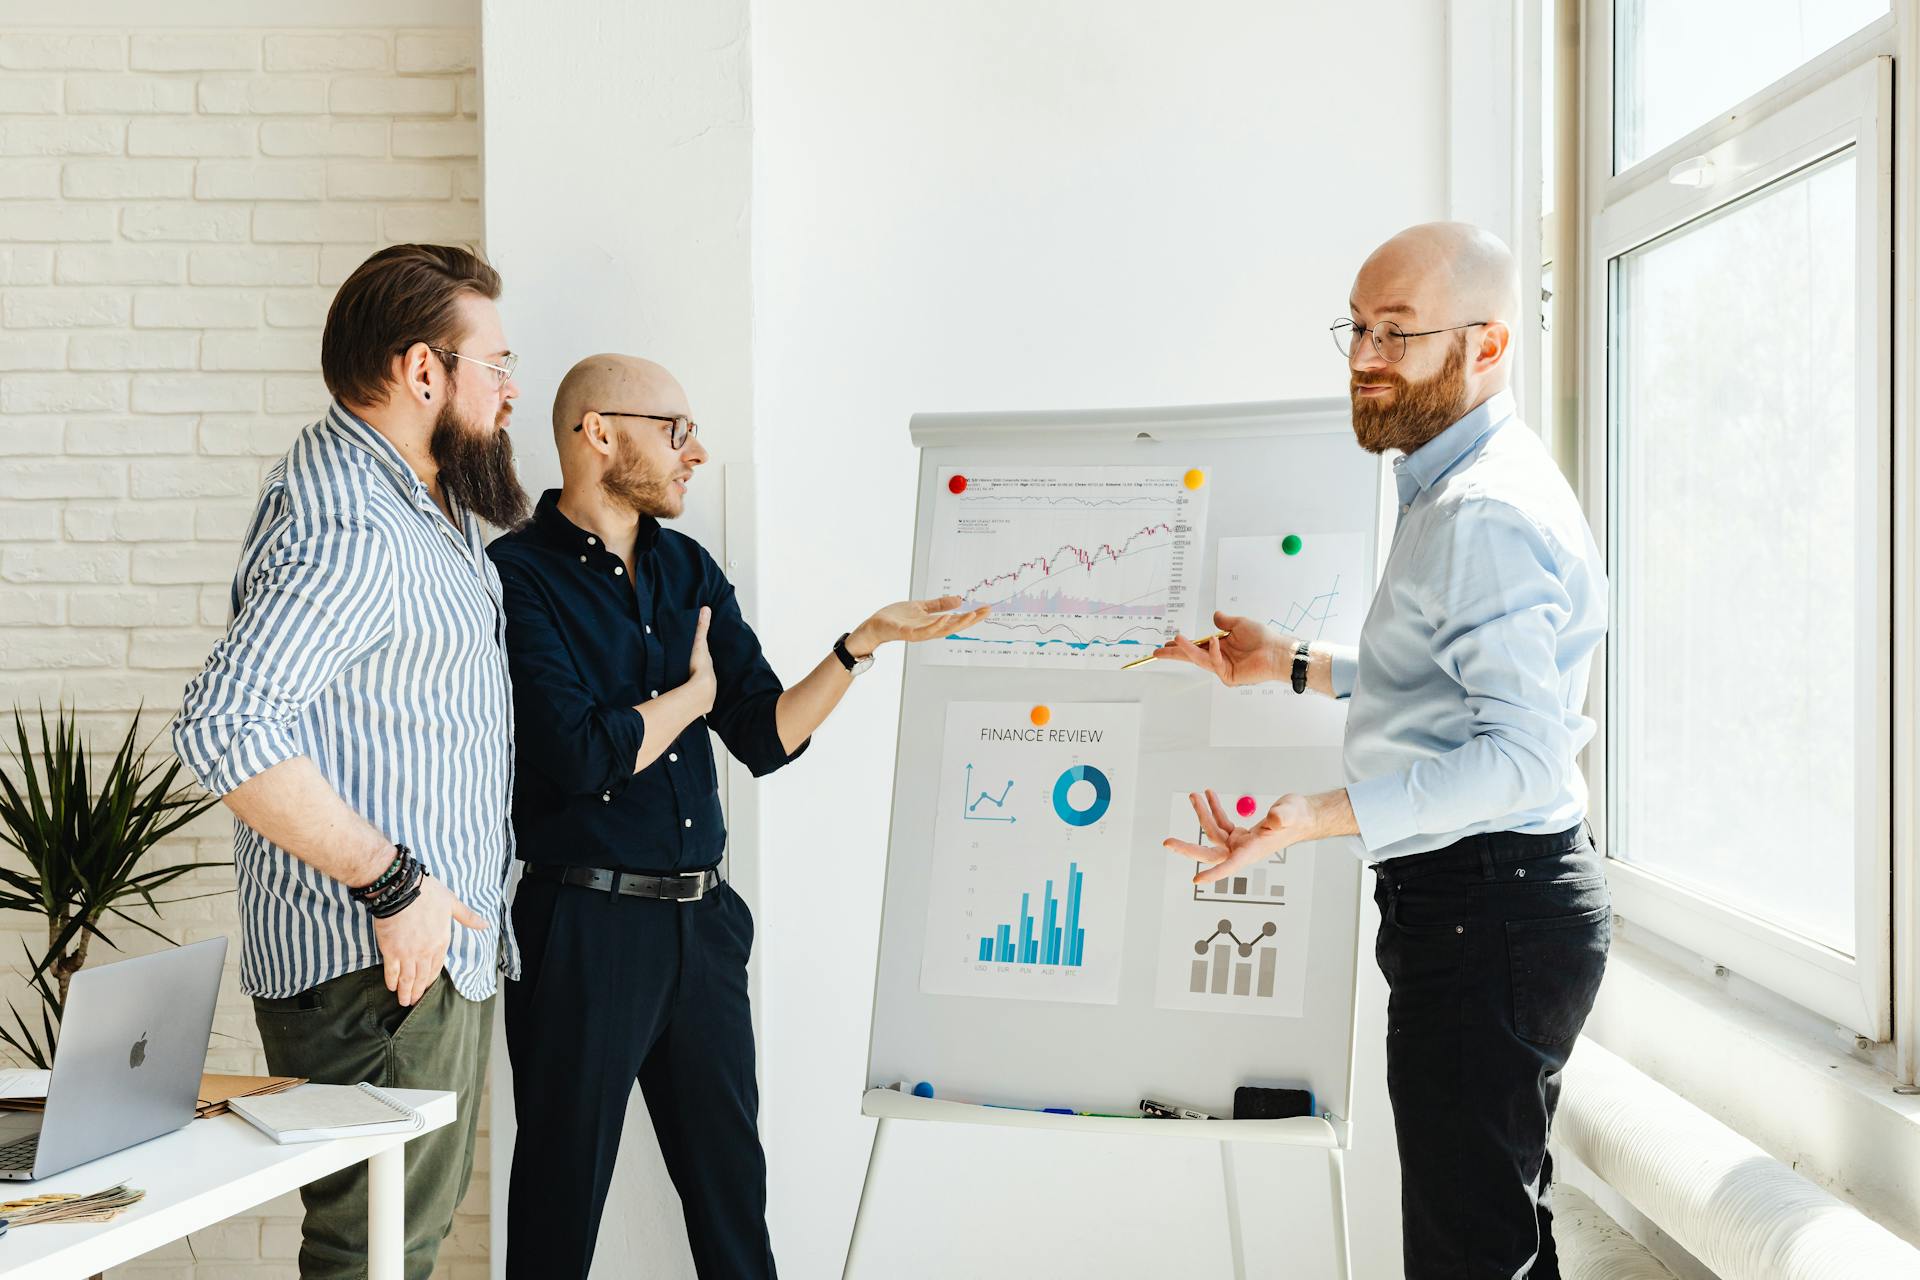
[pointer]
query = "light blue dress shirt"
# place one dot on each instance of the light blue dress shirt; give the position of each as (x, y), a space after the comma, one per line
(1468, 686)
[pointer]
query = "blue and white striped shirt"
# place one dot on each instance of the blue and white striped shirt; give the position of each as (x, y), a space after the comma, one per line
(368, 636)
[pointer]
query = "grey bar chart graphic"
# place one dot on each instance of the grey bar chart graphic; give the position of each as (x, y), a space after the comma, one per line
(1235, 967)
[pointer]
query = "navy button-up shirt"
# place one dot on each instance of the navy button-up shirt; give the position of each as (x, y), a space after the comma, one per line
(587, 642)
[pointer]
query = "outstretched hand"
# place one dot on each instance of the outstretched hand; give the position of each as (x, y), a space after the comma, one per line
(1249, 653)
(912, 621)
(1292, 820)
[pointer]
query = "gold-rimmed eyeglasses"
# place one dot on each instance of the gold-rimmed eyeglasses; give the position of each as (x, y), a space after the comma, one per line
(501, 371)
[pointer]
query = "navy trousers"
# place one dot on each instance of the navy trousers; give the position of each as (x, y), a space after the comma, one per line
(615, 990)
(1493, 951)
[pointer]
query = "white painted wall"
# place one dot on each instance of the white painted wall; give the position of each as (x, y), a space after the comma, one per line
(1000, 205)
(616, 167)
(980, 206)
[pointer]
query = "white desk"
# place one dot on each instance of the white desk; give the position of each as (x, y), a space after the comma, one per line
(208, 1171)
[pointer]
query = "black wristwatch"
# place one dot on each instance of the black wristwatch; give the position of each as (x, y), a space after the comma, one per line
(855, 666)
(1300, 667)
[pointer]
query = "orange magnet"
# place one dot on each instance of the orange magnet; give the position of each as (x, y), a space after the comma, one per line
(1040, 715)
(1194, 478)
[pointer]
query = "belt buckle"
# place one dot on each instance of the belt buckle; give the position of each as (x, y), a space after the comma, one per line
(699, 879)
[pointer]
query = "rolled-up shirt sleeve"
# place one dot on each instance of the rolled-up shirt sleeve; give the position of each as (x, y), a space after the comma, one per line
(317, 599)
(579, 744)
(1497, 607)
(746, 702)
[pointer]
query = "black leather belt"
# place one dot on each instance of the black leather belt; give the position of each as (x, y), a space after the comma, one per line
(686, 886)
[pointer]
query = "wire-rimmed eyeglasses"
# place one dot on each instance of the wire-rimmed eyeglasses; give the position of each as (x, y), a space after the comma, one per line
(1389, 339)
(501, 371)
(681, 428)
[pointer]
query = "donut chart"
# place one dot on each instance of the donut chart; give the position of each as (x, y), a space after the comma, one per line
(1102, 796)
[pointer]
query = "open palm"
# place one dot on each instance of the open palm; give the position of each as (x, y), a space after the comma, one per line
(1249, 653)
(915, 620)
(1229, 846)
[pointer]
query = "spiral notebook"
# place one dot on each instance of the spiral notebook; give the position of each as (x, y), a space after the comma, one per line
(316, 1112)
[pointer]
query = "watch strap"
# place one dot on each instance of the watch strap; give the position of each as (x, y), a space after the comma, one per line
(1300, 657)
(853, 665)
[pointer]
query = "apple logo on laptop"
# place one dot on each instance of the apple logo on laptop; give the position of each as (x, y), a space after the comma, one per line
(138, 1054)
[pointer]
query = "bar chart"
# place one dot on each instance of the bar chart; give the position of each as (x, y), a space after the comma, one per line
(1225, 973)
(1052, 937)
(1238, 944)
(1263, 885)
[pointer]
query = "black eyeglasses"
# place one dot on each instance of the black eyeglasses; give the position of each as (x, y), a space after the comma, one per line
(1389, 339)
(682, 429)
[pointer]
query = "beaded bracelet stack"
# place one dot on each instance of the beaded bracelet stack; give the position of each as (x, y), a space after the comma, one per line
(396, 888)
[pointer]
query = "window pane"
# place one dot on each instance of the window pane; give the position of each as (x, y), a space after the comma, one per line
(1549, 79)
(1732, 703)
(1549, 394)
(1679, 63)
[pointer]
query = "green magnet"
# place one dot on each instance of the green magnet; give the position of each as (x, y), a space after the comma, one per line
(1291, 544)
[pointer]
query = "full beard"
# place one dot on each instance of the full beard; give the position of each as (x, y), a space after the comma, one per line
(1416, 412)
(476, 468)
(629, 483)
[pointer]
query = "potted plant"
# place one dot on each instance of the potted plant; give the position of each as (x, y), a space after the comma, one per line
(86, 845)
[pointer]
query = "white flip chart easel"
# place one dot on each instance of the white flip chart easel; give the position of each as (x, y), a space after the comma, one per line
(1271, 469)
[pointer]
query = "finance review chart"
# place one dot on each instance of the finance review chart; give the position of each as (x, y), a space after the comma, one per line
(1083, 566)
(1028, 893)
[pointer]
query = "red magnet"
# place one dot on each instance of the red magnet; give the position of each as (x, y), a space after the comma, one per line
(957, 485)
(1246, 806)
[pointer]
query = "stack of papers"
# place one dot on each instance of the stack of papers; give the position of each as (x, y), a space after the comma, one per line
(26, 1090)
(216, 1092)
(101, 1206)
(23, 1084)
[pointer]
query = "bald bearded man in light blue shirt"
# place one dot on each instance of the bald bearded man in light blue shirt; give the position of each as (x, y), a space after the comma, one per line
(1465, 724)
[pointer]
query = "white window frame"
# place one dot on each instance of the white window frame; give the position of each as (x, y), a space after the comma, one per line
(1842, 96)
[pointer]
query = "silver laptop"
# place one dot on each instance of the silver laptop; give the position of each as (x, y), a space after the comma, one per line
(133, 1042)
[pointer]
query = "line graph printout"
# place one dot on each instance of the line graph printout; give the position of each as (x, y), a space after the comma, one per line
(1084, 566)
(1311, 585)
(1031, 844)
(1237, 945)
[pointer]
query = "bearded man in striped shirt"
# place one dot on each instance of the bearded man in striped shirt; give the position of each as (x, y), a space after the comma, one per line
(357, 719)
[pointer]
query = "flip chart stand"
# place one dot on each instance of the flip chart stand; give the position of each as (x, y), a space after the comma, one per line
(1328, 1133)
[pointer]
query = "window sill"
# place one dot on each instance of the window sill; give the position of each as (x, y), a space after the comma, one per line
(1803, 1090)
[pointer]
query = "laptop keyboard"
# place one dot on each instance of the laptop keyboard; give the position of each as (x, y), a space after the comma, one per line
(19, 1153)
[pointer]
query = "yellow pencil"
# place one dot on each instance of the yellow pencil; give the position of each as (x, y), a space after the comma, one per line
(1137, 662)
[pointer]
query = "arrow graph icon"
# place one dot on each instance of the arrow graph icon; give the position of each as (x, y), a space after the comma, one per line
(973, 802)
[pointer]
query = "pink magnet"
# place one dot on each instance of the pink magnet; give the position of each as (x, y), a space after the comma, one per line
(1245, 806)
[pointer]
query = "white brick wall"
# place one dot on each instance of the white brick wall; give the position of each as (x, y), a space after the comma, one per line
(176, 208)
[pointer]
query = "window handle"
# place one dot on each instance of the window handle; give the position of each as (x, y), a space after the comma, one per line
(1694, 171)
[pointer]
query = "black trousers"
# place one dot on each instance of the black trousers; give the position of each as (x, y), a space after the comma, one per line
(1493, 951)
(618, 989)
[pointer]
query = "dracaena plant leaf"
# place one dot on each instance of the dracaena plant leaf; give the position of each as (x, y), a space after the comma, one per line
(89, 842)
